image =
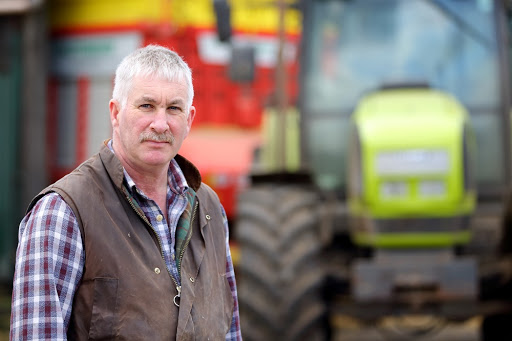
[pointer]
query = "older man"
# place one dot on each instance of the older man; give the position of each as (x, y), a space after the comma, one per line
(131, 245)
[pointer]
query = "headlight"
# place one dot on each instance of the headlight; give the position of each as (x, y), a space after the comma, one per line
(412, 162)
(432, 188)
(394, 190)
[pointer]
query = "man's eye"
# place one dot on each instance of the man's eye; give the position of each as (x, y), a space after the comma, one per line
(146, 106)
(174, 108)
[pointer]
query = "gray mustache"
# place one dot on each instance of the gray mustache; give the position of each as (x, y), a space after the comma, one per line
(152, 136)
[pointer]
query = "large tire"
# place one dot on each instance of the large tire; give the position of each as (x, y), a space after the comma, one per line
(497, 327)
(280, 273)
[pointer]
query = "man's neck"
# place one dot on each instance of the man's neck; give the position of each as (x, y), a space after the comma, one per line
(153, 184)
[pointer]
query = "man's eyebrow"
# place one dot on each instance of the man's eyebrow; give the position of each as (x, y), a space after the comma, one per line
(176, 101)
(147, 99)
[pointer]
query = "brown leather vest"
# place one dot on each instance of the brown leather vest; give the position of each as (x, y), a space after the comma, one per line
(126, 292)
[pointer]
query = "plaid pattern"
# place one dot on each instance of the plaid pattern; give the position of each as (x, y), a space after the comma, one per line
(234, 333)
(50, 260)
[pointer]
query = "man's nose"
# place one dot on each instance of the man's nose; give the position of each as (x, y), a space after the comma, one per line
(159, 123)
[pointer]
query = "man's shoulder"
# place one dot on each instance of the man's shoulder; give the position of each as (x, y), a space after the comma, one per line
(207, 192)
(86, 178)
(82, 175)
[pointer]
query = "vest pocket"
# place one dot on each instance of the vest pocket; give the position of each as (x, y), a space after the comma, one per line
(104, 310)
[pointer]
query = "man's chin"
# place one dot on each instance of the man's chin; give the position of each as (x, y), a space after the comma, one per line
(153, 158)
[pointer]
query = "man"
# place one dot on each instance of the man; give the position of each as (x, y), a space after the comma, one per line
(130, 245)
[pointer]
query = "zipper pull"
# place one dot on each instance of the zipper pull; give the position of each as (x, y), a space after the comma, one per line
(176, 298)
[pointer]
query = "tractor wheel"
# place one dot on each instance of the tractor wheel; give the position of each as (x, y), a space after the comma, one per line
(280, 272)
(496, 327)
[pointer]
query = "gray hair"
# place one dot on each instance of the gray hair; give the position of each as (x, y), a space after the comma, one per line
(152, 60)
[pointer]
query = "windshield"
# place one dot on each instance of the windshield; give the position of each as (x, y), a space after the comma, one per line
(354, 47)
(358, 46)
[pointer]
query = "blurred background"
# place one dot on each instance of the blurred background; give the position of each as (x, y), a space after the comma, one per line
(361, 149)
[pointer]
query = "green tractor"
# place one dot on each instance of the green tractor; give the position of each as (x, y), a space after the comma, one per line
(396, 206)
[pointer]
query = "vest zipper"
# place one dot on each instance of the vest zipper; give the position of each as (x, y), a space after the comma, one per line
(189, 237)
(178, 287)
(177, 298)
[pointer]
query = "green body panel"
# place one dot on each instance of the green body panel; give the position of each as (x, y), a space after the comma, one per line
(411, 145)
(413, 240)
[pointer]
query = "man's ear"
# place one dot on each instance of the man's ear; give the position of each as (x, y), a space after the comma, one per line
(114, 108)
(190, 118)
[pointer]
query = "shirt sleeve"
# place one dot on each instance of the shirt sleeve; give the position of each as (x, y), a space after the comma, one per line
(49, 266)
(234, 333)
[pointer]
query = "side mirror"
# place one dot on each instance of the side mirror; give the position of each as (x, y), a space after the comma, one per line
(223, 16)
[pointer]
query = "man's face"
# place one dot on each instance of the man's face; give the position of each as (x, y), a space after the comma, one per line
(149, 129)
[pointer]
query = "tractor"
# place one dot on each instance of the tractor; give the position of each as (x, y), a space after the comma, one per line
(383, 195)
